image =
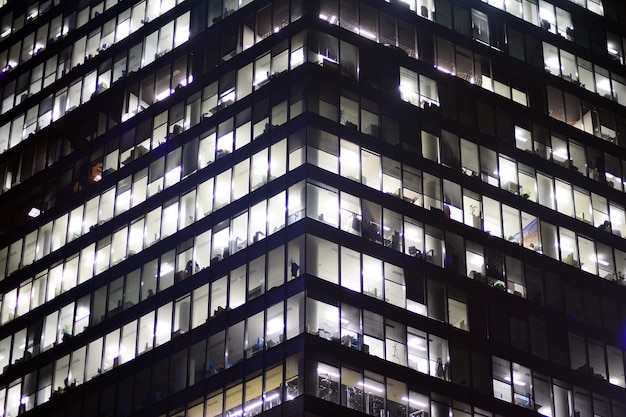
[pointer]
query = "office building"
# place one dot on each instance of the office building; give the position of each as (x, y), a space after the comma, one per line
(313, 207)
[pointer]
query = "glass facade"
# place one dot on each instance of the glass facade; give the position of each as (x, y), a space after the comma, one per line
(405, 208)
